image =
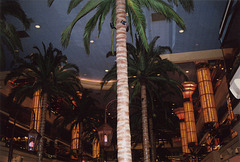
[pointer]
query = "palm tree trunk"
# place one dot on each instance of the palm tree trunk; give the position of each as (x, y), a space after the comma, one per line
(123, 128)
(42, 127)
(80, 146)
(152, 138)
(146, 154)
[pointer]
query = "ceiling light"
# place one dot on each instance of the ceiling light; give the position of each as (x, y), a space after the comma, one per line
(181, 31)
(134, 76)
(187, 71)
(158, 74)
(106, 71)
(37, 26)
(126, 14)
(173, 103)
(91, 41)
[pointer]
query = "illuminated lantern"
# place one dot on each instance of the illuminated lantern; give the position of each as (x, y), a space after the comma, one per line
(36, 114)
(105, 133)
(33, 138)
(189, 88)
(180, 114)
(206, 94)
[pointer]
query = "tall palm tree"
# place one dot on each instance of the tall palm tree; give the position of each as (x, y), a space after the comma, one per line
(147, 72)
(81, 113)
(8, 35)
(118, 18)
(48, 73)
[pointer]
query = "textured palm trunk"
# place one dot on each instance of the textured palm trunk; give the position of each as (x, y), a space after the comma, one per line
(123, 128)
(42, 127)
(152, 138)
(146, 153)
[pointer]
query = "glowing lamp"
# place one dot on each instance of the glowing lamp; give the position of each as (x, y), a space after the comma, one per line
(37, 104)
(190, 122)
(105, 133)
(33, 138)
(206, 95)
(180, 113)
(75, 138)
(183, 130)
(189, 88)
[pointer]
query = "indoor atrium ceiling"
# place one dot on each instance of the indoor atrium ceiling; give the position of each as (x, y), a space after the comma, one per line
(201, 34)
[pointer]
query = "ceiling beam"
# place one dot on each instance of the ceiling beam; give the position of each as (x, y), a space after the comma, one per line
(194, 56)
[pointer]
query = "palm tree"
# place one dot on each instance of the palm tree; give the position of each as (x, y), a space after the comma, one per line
(81, 113)
(118, 18)
(48, 73)
(8, 34)
(147, 72)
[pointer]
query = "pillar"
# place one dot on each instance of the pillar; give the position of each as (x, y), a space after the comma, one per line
(189, 88)
(183, 131)
(75, 139)
(206, 93)
(36, 114)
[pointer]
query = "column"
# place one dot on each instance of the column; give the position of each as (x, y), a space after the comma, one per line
(183, 131)
(36, 114)
(206, 93)
(189, 88)
(75, 140)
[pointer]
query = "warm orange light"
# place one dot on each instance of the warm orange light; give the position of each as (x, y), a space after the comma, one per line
(206, 95)
(190, 122)
(230, 111)
(189, 88)
(180, 113)
(183, 131)
(95, 148)
(36, 114)
(75, 138)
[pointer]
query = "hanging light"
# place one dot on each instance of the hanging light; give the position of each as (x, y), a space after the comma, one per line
(33, 139)
(183, 131)
(206, 94)
(105, 133)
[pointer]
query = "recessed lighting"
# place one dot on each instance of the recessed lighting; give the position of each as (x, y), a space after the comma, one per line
(158, 74)
(37, 26)
(134, 76)
(16, 50)
(187, 71)
(173, 103)
(181, 31)
(106, 71)
(91, 41)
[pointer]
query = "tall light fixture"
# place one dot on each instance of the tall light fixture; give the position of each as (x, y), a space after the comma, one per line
(36, 114)
(95, 149)
(189, 88)
(183, 131)
(75, 139)
(105, 132)
(206, 93)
